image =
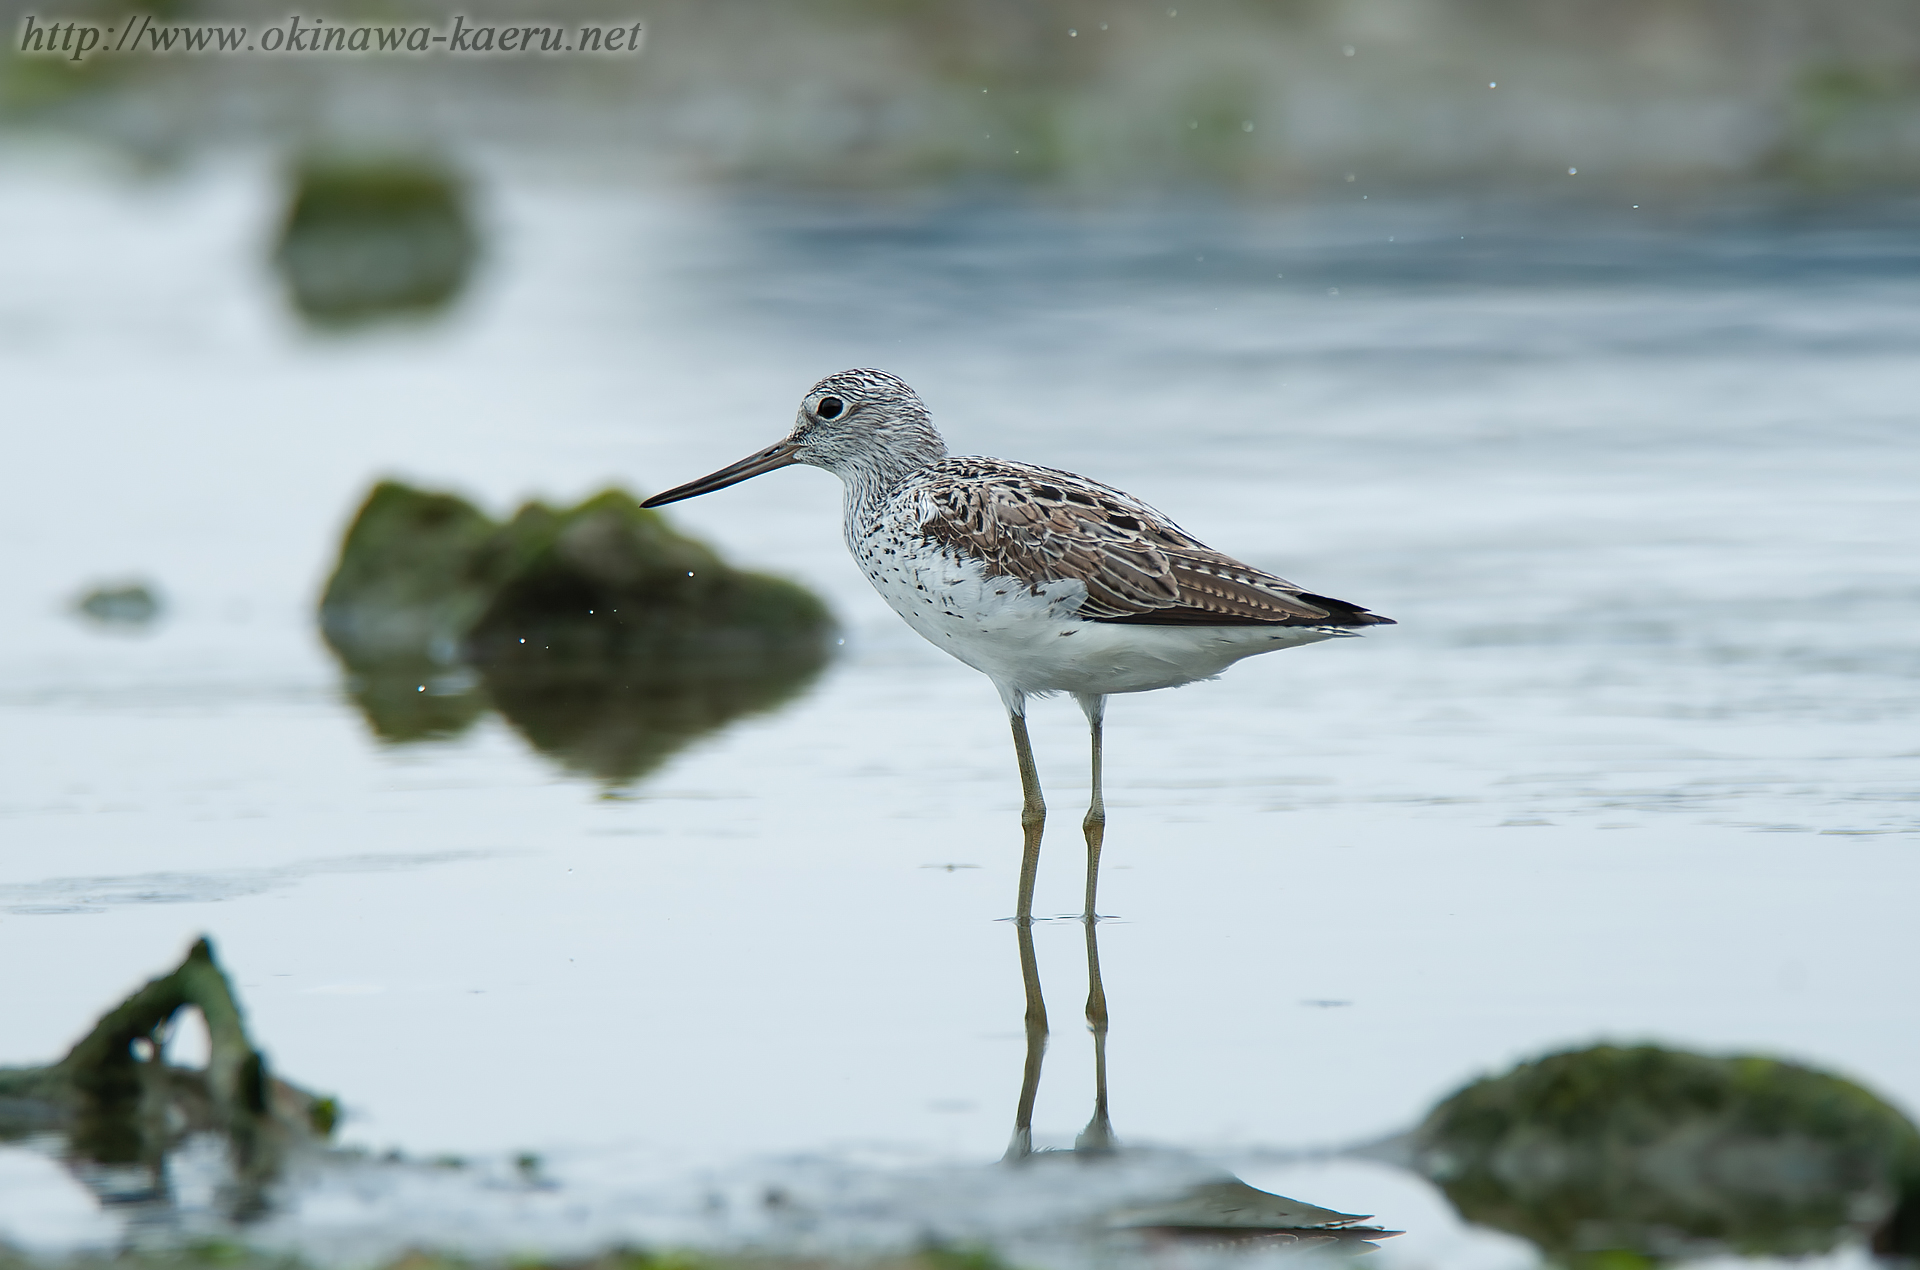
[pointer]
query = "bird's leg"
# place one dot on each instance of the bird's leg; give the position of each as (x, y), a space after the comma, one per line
(1021, 1145)
(1097, 1137)
(1095, 824)
(1033, 817)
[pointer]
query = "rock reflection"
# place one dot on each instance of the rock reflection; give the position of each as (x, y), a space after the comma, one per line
(1650, 1154)
(619, 730)
(414, 701)
(613, 727)
(603, 637)
(1220, 1214)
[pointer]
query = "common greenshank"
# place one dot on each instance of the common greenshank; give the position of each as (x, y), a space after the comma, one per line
(1041, 580)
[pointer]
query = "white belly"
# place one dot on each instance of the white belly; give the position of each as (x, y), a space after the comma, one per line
(1037, 644)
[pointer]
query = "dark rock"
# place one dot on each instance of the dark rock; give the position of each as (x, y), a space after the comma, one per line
(607, 639)
(1660, 1153)
(126, 604)
(607, 586)
(371, 239)
(416, 570)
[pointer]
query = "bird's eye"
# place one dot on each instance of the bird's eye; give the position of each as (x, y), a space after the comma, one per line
(830, 407)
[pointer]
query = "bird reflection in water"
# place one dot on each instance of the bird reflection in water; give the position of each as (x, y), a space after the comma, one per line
(1224, 1213)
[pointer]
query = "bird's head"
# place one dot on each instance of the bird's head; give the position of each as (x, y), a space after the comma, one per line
(861, 425)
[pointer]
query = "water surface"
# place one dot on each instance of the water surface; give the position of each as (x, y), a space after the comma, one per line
(1637, 763)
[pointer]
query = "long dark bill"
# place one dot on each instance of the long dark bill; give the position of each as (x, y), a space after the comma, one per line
(753, 465)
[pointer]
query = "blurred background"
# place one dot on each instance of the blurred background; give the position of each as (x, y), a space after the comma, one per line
(1580, 336)
(1269, 99)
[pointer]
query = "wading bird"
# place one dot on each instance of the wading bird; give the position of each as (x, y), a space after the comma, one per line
(1041, 580)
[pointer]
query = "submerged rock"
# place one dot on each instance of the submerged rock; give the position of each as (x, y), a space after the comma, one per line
(607, 639)
(375, 238)
(1662, 1153)
(127, 604)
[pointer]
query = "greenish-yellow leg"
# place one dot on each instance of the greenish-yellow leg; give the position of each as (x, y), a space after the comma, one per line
(1033, 818)
(1098, 1135)
(1095, 825)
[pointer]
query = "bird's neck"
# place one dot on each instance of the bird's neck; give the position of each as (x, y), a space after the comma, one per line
(878, 473)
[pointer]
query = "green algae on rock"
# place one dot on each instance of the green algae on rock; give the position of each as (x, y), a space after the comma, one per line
(608, 587)
(415, 571)
(603, 587)
(1656, 1153)
(606, 638)
(372, 238)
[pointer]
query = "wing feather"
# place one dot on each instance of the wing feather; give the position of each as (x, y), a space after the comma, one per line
(1038, 525)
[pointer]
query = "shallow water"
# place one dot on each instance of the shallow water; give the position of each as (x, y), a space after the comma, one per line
(1637, 763)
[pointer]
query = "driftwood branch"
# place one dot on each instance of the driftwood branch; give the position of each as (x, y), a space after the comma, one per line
(105, 1069)
(116, 1100)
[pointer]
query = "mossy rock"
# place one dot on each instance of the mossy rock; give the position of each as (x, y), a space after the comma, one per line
(370, 239)
(606, 638)
(416, 570)
(608, 587)
(427, 579)
(1651, 1153)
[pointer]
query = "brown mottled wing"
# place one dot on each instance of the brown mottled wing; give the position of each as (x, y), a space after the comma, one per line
(1038, 525)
